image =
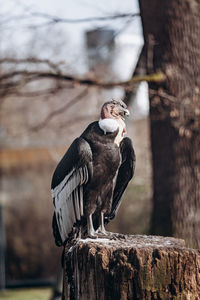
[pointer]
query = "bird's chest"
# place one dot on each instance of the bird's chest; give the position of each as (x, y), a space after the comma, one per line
(107, 159)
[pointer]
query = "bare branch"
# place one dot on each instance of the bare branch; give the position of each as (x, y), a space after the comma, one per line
(12, 81)
(33, 75)
(47, 19)
(55, 19)
(11, 60)
(39, 93)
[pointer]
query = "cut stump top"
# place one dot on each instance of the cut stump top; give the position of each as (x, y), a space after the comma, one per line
(132, 241)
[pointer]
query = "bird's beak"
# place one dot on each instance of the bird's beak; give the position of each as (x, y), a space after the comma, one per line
(126, 112)
(123, 112)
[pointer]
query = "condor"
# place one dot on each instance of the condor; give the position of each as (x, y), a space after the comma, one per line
(89, 181)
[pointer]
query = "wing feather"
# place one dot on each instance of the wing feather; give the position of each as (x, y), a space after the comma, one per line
(81, 199)
(125, 174)
(77, 206)
(74, 170)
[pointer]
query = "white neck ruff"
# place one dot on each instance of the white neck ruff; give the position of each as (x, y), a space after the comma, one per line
(108, 125)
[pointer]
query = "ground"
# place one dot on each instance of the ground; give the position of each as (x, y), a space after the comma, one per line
(26, 294)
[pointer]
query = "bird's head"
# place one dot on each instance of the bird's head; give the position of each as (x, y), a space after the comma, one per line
(114, 109)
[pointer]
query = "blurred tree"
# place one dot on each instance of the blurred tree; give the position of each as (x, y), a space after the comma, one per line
(171, 32)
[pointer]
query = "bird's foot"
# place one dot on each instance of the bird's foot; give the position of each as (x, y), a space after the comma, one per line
(101, 233)
(112, 235)
(92, 234)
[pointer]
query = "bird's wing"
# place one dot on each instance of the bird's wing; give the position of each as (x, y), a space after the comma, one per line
(73, 171)
(125, 173)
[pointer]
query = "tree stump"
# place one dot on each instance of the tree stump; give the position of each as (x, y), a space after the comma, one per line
(131, 267)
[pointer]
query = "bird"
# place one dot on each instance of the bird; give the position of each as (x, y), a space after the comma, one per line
(89, 181)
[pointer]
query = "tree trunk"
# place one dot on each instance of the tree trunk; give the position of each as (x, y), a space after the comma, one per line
(132, 267)
(172, 31)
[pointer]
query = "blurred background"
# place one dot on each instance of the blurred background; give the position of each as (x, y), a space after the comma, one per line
(56, 60)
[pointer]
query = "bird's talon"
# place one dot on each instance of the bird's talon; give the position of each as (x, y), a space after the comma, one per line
(92, 236)
(103, 232)
(102, 235)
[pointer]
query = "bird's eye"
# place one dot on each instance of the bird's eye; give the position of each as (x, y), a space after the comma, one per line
(112, 107)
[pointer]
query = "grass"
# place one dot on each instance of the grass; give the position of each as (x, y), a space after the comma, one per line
(26, 294)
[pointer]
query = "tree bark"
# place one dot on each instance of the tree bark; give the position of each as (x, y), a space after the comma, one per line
(171, 31)
(132, 267)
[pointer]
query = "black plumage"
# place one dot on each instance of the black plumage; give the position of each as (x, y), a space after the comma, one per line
(89, 181)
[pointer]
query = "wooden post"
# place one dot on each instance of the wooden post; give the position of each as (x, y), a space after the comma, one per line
(132, 267)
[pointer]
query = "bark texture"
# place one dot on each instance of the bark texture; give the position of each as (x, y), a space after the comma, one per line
(172, 30)
(132, 267)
